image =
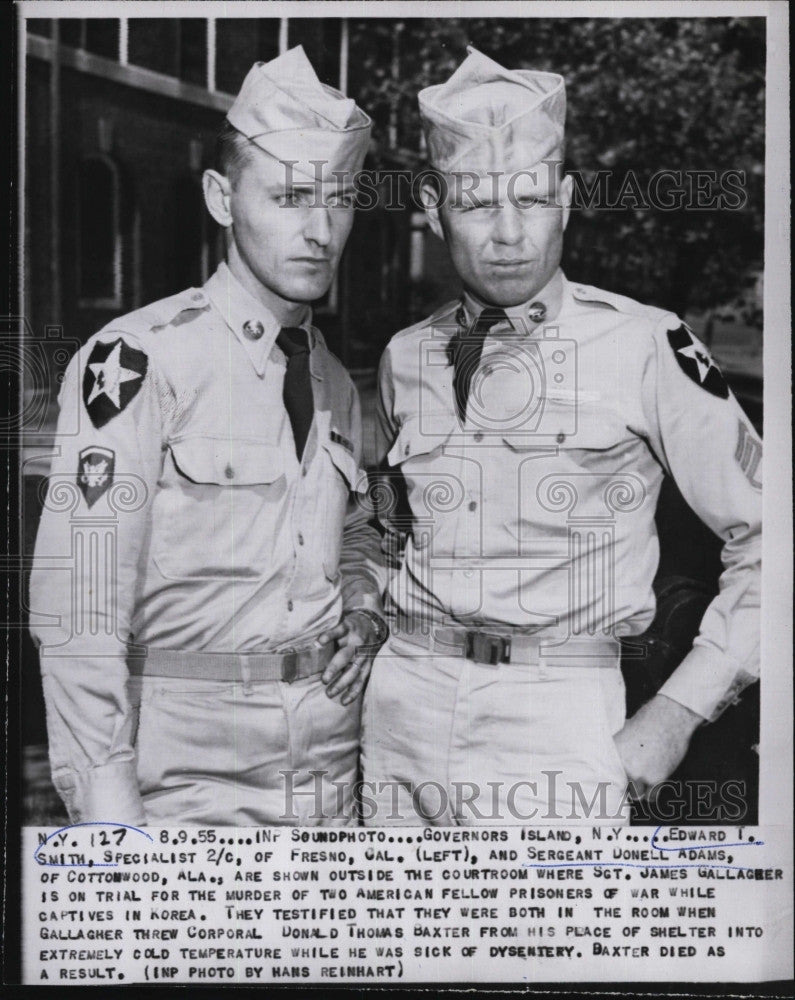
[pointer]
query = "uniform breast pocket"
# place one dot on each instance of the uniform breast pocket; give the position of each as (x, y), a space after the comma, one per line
(583, 426)
(588, 470)
(346, 481)
(218, 507)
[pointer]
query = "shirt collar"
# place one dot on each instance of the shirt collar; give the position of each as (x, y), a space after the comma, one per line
(246, 316)
(550, 297)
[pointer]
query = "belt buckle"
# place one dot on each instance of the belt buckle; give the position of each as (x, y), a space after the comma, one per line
(289, 665)
(485, 647)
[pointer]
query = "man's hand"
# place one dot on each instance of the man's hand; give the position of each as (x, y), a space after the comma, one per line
(347, 673)
(654, 741)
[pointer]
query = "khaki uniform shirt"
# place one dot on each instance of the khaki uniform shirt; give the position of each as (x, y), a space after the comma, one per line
(539, 512)
(178, 515)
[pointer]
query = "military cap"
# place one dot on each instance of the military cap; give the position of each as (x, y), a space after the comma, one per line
(486, 117)
(284, 109)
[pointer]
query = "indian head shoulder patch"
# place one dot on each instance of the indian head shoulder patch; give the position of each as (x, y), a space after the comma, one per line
(694, 360)
(95, 468)
(114, 373)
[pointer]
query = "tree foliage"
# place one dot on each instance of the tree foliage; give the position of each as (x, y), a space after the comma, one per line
(644, 95)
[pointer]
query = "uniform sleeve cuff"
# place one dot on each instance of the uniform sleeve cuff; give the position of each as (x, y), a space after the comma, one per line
(362, 594)
(109, 794)
(706, 682)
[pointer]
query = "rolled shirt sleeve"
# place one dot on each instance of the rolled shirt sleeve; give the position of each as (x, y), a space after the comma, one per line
(704, 440)
(83, 584)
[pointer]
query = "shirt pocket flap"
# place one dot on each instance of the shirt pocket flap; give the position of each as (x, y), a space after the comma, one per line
(595, 430)
(223, 462)
(572, 426)
(346, 465)
(420, 437)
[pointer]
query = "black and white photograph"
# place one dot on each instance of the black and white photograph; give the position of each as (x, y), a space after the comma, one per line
(392, 387)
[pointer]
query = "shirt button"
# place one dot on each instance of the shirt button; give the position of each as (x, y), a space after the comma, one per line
(300, 539)
(478, 435)
(289, 605)
(253, 329)
(473, 505)
(407, 449)
(229, 472)
(303, 471)
(560, 438)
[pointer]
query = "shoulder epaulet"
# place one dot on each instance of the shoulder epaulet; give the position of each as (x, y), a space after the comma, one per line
(175, 310)
(445, 312)
(620, 303)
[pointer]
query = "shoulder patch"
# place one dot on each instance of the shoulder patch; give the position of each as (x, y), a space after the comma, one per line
(694, 360)
(113, 375)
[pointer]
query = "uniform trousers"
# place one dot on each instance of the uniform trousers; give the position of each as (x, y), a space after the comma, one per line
(449, 741)
(228, 753)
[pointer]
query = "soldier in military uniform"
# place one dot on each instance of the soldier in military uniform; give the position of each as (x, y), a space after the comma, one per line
(207, 646)
(529, 426)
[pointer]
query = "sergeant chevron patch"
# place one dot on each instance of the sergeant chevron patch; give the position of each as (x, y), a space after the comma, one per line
(748, 455)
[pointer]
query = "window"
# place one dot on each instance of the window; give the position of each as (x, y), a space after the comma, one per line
(194, 253)
(174, 47)
(99, 36)
(102, 37)
(72, 32)
(105, 220)
(239, 44)
(153, 44)
(321, 42)
(192, 66)
(38, 26)
(180, 48)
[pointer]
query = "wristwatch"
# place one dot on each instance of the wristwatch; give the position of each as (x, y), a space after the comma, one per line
(377, 622)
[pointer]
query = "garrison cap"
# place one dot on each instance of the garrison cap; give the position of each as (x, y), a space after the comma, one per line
(486, 117)
(284, 109)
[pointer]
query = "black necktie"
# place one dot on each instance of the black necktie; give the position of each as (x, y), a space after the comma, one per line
(297, 393)
(465, 350)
